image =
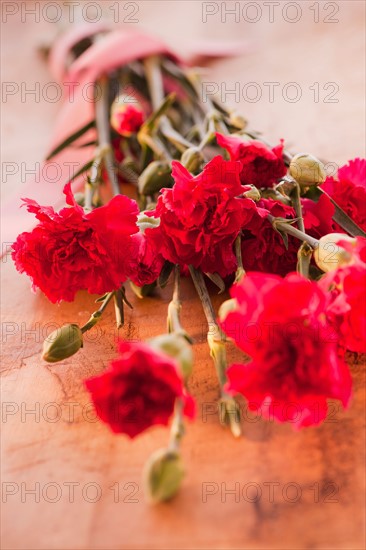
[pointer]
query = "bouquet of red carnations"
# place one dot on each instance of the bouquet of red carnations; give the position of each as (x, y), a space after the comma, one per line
(211, 201)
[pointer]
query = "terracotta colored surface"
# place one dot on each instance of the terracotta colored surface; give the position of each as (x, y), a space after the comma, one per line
(59, 446)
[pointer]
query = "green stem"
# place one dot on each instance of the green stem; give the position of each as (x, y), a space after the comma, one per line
(97, 314)
(215, 337)
(91, 185)
(202, 292)
(213, 116)
(305, 251)
(290, 230)
(118, 299)
(240, 272)
(103, 129)
(175, 306)
(174, 309)
(177, 430)
(174, 326)
(156, 87)
(229, 413)
(296, 203)
(304, 255)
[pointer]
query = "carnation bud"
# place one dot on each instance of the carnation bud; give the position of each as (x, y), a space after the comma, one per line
(162, 475)
(307, 170)
(157, 174)
(329, 255)
(253, 193)
(177, 347)
(237, 120)
(126, 117)
(192, 159)
(62, 343)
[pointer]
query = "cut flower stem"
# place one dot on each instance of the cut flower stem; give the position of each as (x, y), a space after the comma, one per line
(97, 314)
(103, 129)
(174, 326)
(285, 227)
(217, 344)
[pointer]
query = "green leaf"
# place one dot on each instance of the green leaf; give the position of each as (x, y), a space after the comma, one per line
(283, 234)
(118, 299)
(343, 219)
(175, 72)
(124, 297)
(76, 135)
(284, 238)
(83, 169)
(152, 121)
(165, 274)
(142, 291)
(215, 278)
(87, 144)
(102, 298)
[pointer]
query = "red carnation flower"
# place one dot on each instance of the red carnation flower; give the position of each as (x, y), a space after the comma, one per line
(295, 365)
(260, 165)
(149, 260)
(138, 390)
(346, 289)
(70, 250)
(127, 119)
(200, 217)
(348, 190)
(263, 249)
(318, 216)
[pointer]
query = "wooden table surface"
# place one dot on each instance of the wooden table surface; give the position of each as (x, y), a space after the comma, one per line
(67, 482)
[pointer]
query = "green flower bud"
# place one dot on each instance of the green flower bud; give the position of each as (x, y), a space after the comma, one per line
(177, 347)
(307, 170)
(162, 475)
(157, 174)
(192, 159)
(253, 194)
(329, 255)
(62, 343)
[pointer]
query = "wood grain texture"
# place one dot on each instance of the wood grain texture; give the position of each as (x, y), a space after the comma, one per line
(312, 482)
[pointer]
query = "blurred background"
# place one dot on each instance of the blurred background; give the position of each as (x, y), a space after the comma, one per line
(299, 74)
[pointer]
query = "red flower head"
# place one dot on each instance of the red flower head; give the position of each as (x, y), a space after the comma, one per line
(263, 249)
(200, 217)
(70, 250)
(318, 216)
(260, 165)
(347, 296)
(138, 390)
(295, 365)
(150, 261)
(348, 190)
(127, 119)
